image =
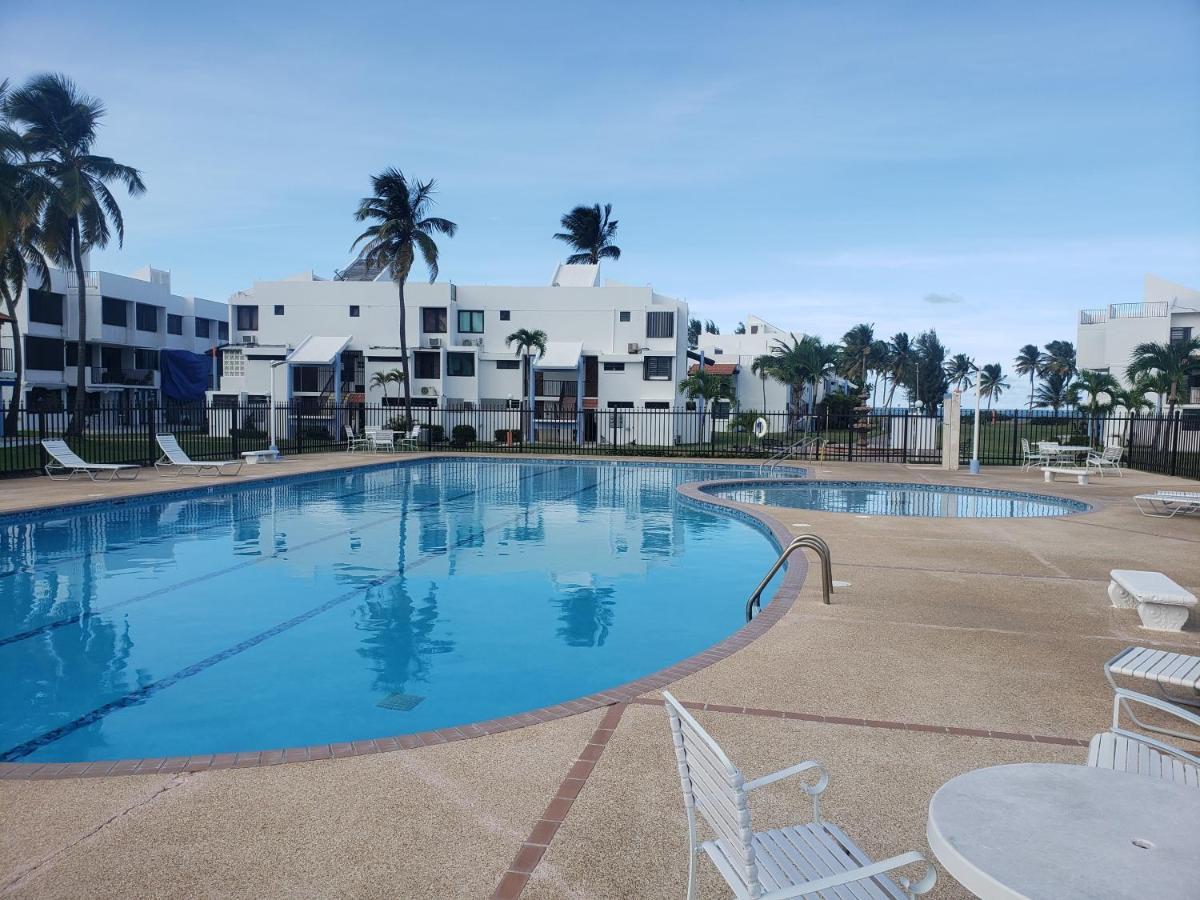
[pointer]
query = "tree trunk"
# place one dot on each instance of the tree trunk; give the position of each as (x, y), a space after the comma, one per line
(76, 426)
(12, 415)
(1031, 377)
(400, 278)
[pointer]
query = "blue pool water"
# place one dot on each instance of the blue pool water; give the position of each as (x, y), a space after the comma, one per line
(259, 617)
(881, 498)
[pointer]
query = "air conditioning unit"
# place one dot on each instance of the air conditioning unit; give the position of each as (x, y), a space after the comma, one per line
(435, 343)
(249, 340)
(478, 342)
(428, 391)
(633, 348)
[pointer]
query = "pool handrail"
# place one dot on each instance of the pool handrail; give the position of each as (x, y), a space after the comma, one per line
(803, 541)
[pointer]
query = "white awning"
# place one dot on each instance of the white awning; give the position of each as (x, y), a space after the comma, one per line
(560, 355)
(317, 350)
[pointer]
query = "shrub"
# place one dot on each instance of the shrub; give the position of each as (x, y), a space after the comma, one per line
(461, 435)
(503, 435)
(437, 434)
(837, 404)
(315, 432)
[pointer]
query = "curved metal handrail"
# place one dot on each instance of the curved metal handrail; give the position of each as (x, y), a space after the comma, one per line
(798, 449)
(808, 541)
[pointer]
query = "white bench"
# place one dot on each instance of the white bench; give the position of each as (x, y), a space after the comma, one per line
(253, 457)
(1079, 473)
(1162, 604)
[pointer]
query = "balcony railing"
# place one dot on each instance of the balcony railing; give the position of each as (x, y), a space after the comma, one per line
(1156, 309)
(91, 281)
(7, 361)
(130, 377)
(1193, 395)
(1093, 316)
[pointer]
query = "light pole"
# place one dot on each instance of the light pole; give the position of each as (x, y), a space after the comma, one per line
(975, 434)
(271, 414)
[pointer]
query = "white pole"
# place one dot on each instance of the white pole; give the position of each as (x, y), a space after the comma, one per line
(975, 435)
(271, 414)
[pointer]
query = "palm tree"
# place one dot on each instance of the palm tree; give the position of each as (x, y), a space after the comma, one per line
(22, 195)
(880, 362)
(1028, 362)
(1054, 391)
(857, 344)
(706, 387)
(764, 367)
(1059, 357)
(929, 382)
(959, 370)
(1102, 391)
(401, 226)
(589, 231)
(529, 343)
(1134, 399)
(1170, 363)
(901, 361)
(992, 382)
(81, 212)
(382, 380)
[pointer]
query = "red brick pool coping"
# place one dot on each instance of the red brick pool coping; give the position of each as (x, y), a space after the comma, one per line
(785, 596)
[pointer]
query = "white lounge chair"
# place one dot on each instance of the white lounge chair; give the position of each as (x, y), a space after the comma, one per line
(354, 442)
(1176, 675)
(1140, 754)
(176, 462)
(1168, 504)
(64, 459)
(801, 860)
(1109, 459)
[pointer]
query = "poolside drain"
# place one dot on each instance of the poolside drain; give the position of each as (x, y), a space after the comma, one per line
(399, 702)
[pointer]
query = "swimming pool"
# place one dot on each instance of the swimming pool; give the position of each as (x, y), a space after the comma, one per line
(882, 498)
(356, 604)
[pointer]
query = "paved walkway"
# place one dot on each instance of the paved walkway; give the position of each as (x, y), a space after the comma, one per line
(958, 644)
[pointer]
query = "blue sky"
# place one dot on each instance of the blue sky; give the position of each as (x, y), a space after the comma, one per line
(982, 169)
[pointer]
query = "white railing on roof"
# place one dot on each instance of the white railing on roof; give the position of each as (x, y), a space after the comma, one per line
(1139, 310)
(1093, 316)
(90, 280)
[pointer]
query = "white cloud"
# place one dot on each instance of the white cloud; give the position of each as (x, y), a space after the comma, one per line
(938, 299)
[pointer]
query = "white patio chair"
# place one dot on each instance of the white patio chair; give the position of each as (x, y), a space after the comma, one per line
(797, 861)
(64, 459)
(1167, 504)
(1139, 754)
(382, 439)
(410, 441)
(354, 442)
(1048, 452)
(175, 462)
(1109, 459)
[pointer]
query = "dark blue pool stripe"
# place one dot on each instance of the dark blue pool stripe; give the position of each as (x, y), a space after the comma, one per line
(143, 693)
(158, 592)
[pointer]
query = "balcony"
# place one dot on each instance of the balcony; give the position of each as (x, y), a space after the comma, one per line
(1157, 309)
(122, 377)
(1192, 396)
(91, 281)
(7, 361)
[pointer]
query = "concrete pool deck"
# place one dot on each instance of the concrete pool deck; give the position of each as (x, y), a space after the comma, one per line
(958, 644)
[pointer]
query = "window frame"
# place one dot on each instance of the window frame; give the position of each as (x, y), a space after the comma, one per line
(475, 318)
(208, 323)
(442, 320)
(614, 367)
(39, 300)
(667, 361)
(421, 356)
(655, 321)
(355, 311)
(279, 309)
(46, 346)
(109, 305)
(457, 359)
(175, 324)
(247, 313)
(508, 365)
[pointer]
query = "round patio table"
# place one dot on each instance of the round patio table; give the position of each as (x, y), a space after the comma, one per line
(1039, 830)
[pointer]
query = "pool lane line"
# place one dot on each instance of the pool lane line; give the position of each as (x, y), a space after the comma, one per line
(76, 618)
(148, 690)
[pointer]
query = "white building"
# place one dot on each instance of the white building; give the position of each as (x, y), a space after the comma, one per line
(129, 321)
(734, 355)
(319, 342)
(1107, 336)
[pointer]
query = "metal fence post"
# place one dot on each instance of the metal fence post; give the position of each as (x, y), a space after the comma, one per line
(1174, 425)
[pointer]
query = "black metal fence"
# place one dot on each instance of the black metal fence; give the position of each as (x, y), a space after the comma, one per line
(1165, 444)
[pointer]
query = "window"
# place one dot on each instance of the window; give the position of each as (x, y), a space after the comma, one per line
(721, 409)
(754, 329)
(620, 404)
(174, 324)
(427, 365)
(202, 327)
(278, 310)
(505, 315)
(247, 318)
(433, 320)
(461, 365)
(73, 353)
(234, 363)
(657, 404)
(1180, 334)
(625, 316)
(508, 364)
(470, 321)
(112, 312)
(354, 312)
(145, 359)
(45, 354)
(222, 331)
(146, 317)
(660, 324)
(110, 357)
(614, 367)
(656, 368)
(45, 307)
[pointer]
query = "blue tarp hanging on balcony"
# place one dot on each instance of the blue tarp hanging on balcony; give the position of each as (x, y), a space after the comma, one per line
(184, 375)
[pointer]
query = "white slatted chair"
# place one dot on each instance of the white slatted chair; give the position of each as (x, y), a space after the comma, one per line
(802, 860)
(1029, 456)
(175, 462)
(354, 442)
(1107, 460)
(410, 441)
(64, 459)
(382, 439)
(1139, 754)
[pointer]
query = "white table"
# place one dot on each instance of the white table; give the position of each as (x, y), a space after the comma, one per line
(1039, 830)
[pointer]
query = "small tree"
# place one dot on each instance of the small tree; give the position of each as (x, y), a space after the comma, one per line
(529, 343)
(706, 388)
